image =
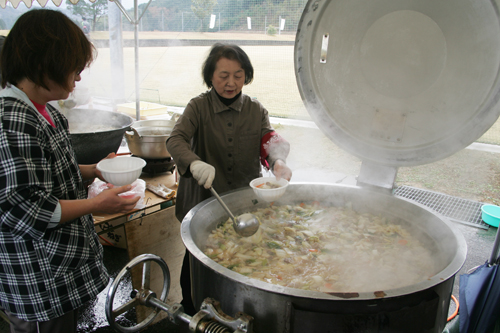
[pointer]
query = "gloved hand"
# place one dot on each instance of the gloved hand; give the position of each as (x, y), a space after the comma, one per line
(203, 172)
(281, 170)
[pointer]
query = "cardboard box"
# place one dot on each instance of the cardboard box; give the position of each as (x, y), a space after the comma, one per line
(112, 233)
(147, 109)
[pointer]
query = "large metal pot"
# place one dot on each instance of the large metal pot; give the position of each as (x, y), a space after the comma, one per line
(102, 133)
(422, 307)
(148, 138)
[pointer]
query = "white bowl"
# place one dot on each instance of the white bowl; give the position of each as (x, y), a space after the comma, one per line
(121, 170)
(271, 194)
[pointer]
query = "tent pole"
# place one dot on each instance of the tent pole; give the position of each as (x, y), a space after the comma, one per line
(136, 49)
(135, 22)
(116, 55)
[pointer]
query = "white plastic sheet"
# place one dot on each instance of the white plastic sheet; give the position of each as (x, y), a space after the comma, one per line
(29, 3)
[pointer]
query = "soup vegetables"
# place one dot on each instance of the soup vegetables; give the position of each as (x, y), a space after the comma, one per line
(328, 249)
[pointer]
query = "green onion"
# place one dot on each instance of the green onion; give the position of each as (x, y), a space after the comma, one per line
(273, 245)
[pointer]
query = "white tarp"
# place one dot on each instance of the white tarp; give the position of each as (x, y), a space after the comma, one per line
(28, 3)
(134, 21)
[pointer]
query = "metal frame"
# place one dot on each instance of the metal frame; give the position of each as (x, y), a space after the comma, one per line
(135, 22)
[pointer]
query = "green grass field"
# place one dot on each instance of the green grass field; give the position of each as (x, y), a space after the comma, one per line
(172, 75)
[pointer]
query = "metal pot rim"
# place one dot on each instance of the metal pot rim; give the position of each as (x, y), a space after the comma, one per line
(136, 135)
(154, 123)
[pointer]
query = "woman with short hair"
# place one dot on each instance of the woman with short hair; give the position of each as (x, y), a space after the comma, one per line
(222, 139)
(51, 260)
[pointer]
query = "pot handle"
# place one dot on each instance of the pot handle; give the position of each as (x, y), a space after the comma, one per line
(135, 132)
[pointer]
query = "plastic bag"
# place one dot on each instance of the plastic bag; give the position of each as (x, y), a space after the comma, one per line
(138, 189)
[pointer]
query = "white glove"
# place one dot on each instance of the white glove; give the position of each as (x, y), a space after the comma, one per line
(203, 172)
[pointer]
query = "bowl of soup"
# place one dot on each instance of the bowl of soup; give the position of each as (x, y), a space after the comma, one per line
(121, 170)
(269, 188)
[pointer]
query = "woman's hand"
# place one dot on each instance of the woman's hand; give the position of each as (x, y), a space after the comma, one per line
(109, 202)
(281, 170)
(204, 173)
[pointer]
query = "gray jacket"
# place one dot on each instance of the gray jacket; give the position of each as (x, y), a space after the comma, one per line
(227, 137)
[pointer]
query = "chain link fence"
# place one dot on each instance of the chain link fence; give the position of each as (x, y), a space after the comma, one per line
(221, 15)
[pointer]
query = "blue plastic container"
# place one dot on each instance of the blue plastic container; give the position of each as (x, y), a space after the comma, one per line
(491, 215)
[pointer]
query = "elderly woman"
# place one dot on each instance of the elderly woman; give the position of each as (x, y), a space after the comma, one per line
(222, 138)
(50, 256)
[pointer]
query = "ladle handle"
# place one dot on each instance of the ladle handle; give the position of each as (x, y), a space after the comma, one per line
(222, 203)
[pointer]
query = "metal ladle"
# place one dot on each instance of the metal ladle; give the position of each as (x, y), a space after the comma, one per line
(245, 225)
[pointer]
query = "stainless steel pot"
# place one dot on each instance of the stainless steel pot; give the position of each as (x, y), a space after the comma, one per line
(95, 144)
(422, 307)
(148, 138)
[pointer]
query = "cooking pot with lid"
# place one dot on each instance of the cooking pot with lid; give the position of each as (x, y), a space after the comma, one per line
(148, 138)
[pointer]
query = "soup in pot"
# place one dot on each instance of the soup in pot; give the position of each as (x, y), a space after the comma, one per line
(327, 249)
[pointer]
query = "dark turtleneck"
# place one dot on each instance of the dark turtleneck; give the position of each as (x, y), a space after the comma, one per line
(227, 101)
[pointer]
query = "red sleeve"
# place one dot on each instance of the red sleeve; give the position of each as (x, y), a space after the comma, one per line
(264, 146)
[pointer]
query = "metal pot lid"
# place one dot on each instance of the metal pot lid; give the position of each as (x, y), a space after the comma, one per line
(400, 82)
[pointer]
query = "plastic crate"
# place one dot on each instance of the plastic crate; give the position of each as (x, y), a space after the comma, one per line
(147, 109)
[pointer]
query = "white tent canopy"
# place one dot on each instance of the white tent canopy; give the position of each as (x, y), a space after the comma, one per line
(29, 3)
(135, 21)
